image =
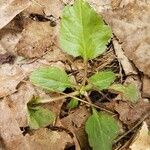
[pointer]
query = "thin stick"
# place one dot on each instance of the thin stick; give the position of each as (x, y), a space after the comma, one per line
(101, 108)
(135, 126)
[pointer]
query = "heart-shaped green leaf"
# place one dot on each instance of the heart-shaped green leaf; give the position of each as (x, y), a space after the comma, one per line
(83, 31)
(102, 80)
(102, 129)
(129, 92)
(39, 117)
(53, 79)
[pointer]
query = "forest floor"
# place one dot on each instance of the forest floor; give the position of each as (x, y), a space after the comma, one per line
(29, 39)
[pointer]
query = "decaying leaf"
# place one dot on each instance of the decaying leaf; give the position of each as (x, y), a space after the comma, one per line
(146, 87)
(131, 26)
(142, 139)
(45, 139)
(124, 61)
(10, 77)
(10, 8)
(129, 115)
(6, 58)
(36, 39)
(75, 122)
(18, 102)
(10, 133)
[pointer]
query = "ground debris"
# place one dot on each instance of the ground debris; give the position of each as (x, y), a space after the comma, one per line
(10, 132)
(142, 139)
(46, 139)
(10, 8)
(133, 19)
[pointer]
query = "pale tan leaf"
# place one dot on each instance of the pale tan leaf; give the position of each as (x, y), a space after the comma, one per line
(131, 26)
(10, 77)
(142, 139)
(36, 39)
(146, 86)
(10, 132)
(18, 102)
(46, 139)
(10, 8)
(125, 62)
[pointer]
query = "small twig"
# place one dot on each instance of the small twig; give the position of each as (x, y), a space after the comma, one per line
(101, 108)
(135, 126)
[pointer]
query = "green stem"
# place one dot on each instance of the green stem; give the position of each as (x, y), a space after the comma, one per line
(85, 72)
(57, 98)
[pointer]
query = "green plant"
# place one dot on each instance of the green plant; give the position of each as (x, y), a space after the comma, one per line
(82, 33)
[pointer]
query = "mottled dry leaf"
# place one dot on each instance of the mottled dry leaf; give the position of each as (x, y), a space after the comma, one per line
(10, 77)
(10, 132)
(146, 87)
(36, 38)
(142, 139)
(75, 122)
(6, 58)
(51, 7)
(101, 5)
(131, 26)
(45, 139)
(10, 8)
(129, 115)
(18, 102)
(124, 61)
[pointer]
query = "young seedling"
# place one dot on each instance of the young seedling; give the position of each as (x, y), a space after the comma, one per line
(83, 33)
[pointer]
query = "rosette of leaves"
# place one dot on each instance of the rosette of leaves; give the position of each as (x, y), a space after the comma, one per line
(82, 33)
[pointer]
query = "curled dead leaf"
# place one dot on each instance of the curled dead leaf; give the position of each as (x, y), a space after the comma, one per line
(10, 77)
(36, 39)
(10, 133)
(142, 139)
(131, 26)
(10, 8)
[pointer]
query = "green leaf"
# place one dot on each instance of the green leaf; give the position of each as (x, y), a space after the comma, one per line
(102, 80)
(83, 31)
(73, 103)
(39, 117)
(53, 79)
(102, 129)
(129, 92)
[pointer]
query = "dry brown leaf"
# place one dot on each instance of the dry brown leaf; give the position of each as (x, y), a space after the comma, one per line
(146, 87)
(36, 38)
(18, 102)
(10, 77)
(101, 5)
(10, 8)
(46, 139)
(6, 58)
(10, 132)
(131, 26)
(51, 7)
(142, 139)
(126, 64)
(75, 123)
(130, 114)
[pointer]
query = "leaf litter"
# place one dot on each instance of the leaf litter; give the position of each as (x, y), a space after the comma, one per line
(39, 49)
